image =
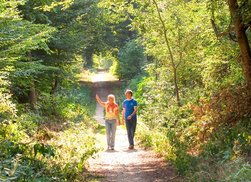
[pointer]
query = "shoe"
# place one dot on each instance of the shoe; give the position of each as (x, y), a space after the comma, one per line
(112, 148)
(131, 147)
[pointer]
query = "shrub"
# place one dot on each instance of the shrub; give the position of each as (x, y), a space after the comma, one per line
(208, 169)
(130, 61)
(204, 137)
(32, 150)
(173, 151)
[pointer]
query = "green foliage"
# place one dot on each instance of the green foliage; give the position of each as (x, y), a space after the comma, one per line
(38, 56)
(130, 61)
(157, 46)
(191, 129)
(211, 170)
(103, 61)
(184, 41)
(171, 149)
(7, 108)
(74, 147)
(33, 149)
(79, 104)
(230, 143)
(45, 150)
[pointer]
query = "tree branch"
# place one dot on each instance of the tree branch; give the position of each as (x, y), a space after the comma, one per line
(164, 31)
(221, 34)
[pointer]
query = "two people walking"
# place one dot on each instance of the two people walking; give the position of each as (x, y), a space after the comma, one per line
(112, 119)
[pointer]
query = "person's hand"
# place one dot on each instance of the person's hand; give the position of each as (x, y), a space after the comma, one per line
(129, 117)
(97, 97)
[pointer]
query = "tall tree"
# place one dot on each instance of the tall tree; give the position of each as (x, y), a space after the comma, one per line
(240, 29)
(18, 39)
(168, 33)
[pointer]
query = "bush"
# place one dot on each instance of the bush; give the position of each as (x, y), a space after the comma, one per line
(210, 170)
(205, 137)
(51, 144)
(68, 105)
(130, 61)
(161, 143)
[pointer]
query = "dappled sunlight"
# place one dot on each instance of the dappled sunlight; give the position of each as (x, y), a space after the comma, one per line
(122, 164)
(185, 66)
(137, 165)
(102, 77)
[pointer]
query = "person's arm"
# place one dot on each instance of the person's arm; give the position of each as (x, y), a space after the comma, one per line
(134, 112)
(100, 101)
(123, 116)
(117, 114)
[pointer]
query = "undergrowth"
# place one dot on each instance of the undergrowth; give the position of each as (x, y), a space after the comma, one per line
(50, 144)
(219, 160)
(207, 138)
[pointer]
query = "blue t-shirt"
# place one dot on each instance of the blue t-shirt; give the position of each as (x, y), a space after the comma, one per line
(129, 105)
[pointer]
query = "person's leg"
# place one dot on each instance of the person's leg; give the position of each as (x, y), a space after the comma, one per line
(129, 132)
(133, 129)
(113, 133)
(107, 126)
(110, 134)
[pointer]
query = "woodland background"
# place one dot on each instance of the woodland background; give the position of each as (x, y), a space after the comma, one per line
(188, 61)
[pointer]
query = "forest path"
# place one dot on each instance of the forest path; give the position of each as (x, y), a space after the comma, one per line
(123, 165)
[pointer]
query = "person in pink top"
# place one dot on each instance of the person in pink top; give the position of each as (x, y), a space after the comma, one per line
(111, 118)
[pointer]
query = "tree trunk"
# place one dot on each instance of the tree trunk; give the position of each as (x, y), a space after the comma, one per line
(88, 56)
(242, 40)
(54, 85)
(177, 93)
(156, 70)
(33, 96)
(174, 66)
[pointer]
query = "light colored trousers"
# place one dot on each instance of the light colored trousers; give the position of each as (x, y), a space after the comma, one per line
(111, 126)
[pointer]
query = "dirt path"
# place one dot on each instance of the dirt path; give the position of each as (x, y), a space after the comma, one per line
(123, 165)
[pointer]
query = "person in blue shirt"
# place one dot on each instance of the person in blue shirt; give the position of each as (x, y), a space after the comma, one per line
(129, 115)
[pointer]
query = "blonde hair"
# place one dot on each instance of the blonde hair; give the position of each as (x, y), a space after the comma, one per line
(111, 96)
